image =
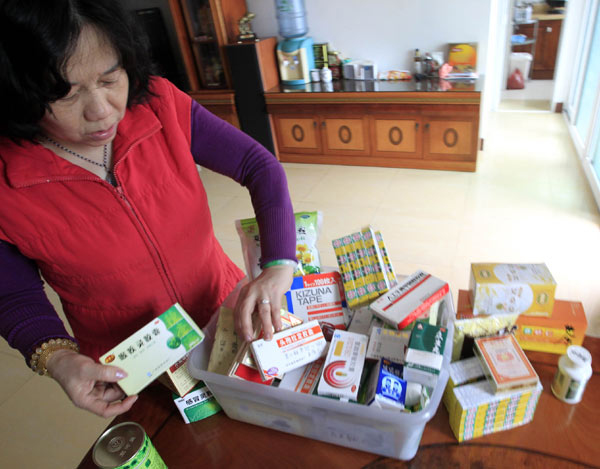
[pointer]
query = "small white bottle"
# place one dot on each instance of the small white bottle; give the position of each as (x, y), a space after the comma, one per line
(326, 75)
(574, 371)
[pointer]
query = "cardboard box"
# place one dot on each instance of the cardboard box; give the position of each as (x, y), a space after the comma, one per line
(197, 405)
(412, 299)
(243, 365)
(565, 327)
(387, 343)
(387, 389)
(178, 379)
(304, 379)
(289, 349)
(475, 410)
(461, 372)
(226, 344)
(364, 266)
(344, 364)
(554, 334)
(504, 363)
(153, 349)
(425, 354)
(511, 288)
(319, 297)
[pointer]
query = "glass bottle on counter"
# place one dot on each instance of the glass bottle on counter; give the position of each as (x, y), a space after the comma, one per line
(418, 60)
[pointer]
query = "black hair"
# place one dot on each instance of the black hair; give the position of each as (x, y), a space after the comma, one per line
(37, 38)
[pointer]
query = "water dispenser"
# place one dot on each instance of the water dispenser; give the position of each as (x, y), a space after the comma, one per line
(295, 52)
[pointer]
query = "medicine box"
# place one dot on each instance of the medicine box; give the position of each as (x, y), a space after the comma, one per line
(554, 334)
(386, 388)
(412, 299)
(425, 354)
(476, 410)
(319, 297)
(303, 379)
(565, 327)
(512, 288)
(387, 343)
(365, 428)
(461, 372)
(504, 363)
(197, 405)
(343, 366)
(289, 349)
(177, 377)
(153, 349)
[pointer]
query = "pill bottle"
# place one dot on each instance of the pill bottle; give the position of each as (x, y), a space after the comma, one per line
(574, 371)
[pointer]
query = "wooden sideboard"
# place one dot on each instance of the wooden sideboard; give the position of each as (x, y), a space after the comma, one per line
(425, 125)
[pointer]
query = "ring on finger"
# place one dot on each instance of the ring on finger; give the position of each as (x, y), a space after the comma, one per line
(265, 301)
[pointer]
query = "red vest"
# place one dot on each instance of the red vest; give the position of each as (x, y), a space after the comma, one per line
(118, 257)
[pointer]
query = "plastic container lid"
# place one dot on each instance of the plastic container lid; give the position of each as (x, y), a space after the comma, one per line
(580, 356)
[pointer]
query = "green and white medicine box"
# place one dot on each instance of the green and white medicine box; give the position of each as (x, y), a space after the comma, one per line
(150, 351)
(198, 404)
(425, 353)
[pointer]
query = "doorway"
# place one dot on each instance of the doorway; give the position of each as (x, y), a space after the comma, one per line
(532, 41)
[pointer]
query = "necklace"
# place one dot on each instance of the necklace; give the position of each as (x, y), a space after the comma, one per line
(104, 163)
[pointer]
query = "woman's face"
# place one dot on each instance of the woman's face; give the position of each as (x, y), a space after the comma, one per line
(89, 115)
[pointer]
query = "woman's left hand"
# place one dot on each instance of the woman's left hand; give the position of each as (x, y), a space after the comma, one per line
(264, 295)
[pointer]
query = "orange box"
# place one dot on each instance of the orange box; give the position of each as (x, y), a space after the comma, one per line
(553, 334)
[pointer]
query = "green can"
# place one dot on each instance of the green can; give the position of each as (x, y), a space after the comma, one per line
(126, 446)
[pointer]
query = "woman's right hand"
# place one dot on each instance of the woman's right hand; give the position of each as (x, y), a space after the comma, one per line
(90, 385)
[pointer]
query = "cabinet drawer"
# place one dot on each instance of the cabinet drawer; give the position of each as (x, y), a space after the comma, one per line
(396, 137)
(345, 135)
(450, 138)
(297, 134)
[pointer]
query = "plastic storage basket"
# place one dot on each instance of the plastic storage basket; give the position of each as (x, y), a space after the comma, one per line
(386, 432)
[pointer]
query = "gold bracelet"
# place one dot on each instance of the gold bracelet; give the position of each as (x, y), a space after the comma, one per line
(40, 356)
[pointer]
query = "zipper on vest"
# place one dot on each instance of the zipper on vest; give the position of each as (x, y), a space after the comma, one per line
(167, 278)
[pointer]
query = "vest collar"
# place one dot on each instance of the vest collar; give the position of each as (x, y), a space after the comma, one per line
(31, 163)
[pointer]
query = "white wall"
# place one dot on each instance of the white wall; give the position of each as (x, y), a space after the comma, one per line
(387, 31)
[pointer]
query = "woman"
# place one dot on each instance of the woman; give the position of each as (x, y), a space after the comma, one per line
(100, 192)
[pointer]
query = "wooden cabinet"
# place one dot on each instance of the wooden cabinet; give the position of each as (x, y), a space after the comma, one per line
(546, 49)
(376, 130)
(543, 37)
(205, 27)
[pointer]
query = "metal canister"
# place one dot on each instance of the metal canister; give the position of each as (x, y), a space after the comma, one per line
(126, 446)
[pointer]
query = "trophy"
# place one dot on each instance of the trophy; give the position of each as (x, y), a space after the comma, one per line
(246, 34)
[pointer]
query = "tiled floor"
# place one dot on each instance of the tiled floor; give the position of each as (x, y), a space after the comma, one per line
(527, 202)
(536, 96)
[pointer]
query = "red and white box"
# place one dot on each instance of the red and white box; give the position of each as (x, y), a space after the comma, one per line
(288, 350)
(305, 379)
(412, 299)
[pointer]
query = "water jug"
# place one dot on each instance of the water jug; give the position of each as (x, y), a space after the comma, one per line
(291, 16)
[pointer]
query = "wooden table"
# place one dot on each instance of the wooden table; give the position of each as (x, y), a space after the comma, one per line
(560, 435)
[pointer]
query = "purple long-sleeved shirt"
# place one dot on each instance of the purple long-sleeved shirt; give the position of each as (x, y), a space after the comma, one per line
(23, 301)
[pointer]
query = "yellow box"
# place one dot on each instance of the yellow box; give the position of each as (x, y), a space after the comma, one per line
(497, 288)
(476, 410)
(566, 327)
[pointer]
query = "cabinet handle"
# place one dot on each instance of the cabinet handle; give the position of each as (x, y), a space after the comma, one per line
(323, 124)
(427, 126)
(416, 126)
(315, 124)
